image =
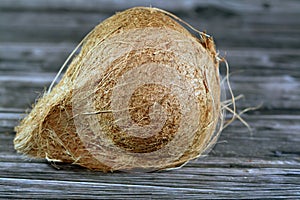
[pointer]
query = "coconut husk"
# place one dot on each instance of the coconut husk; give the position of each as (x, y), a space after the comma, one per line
(143, 93)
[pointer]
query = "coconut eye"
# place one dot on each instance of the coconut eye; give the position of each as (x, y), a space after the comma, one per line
(138, 96)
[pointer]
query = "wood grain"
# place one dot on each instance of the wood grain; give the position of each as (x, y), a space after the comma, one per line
(260, 40)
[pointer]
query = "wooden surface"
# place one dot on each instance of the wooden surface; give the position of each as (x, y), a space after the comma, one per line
(261, 41)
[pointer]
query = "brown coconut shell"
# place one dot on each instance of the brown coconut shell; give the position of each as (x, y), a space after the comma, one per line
(143, 93)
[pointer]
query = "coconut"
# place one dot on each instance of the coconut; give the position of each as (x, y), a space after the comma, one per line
(143, 93)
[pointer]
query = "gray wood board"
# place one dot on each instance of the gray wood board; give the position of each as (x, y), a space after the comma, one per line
(260, 40)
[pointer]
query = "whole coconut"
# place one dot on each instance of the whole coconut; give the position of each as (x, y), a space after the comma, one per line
(142, 94)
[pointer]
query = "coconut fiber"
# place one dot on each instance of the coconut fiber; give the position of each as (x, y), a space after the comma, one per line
(142, 93)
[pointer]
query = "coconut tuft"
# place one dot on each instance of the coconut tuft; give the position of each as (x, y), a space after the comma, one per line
(143, 93)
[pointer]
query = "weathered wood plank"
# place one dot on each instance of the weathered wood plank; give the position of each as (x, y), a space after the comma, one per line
(241, 185)
(52, 26)
(233, 169)
(22, 89)
(212, 177)
(273, 136)
(33, 57)
(233, 23)
(243, 6)
(48, 57)
(273, 92)
(254, 72)
(72, 27)
(190, 181)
